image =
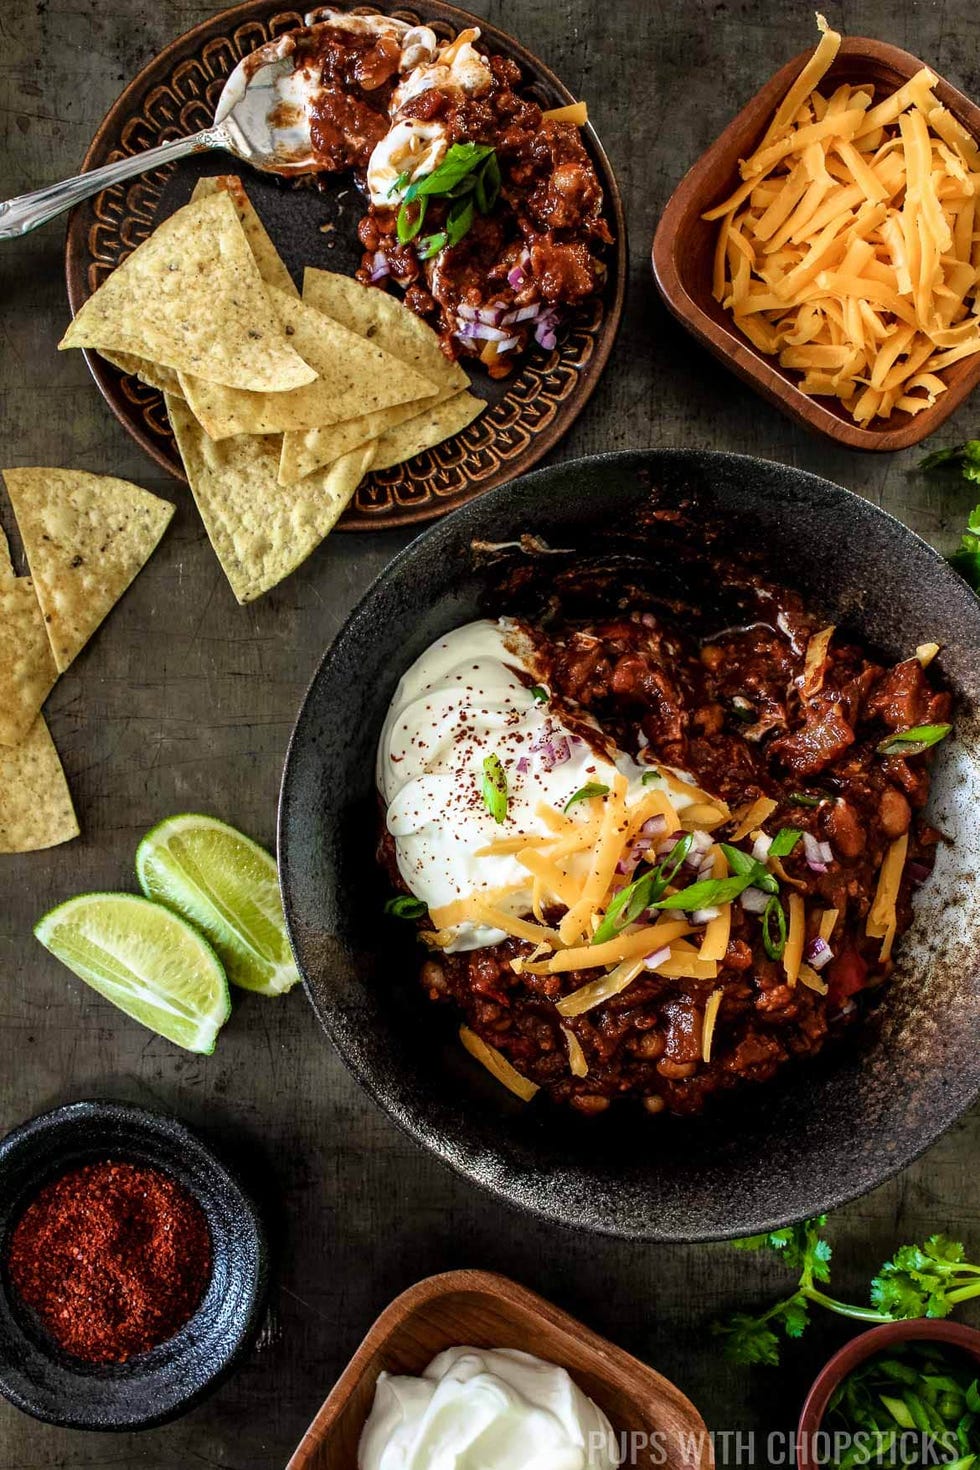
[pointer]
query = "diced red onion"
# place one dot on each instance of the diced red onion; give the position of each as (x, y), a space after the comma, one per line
(665, 843)
(380, 267)
(704, 916)
(760, 850)
(819, 953)
(701, 842)
(467, 313)
(545, 337)
(482, 330)
(918, 872)
(517, 276)
(553, 752)
(508, 343)
(657, 958)
(814, 852)
(524, 314)
(523, 765)
(753, 900)
(643, 844)
(654, 827)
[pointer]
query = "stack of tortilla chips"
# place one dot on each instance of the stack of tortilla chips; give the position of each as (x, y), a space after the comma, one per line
(280, 404)
(85, 538)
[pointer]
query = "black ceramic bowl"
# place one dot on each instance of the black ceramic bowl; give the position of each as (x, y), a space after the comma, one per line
(821, 1134)
(153, 1387)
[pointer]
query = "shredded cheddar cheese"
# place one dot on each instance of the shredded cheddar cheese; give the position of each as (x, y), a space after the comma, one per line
(753, 816)
(572, 112)
(715, 942)
(850, 249)
(882, 920)
(577, 1061)
(497, 1065)
(793, 953)
(708, 1025)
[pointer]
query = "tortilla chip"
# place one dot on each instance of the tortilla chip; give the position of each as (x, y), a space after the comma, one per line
(354, 377)
(154, 374)
(35, 803)
(382, 319)
(191, 297)
(260, 530)
(85, 538)
(27, 667)
(267, 258)
(426, 430)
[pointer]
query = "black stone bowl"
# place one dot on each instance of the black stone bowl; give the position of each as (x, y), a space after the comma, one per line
(822, 1133)
(149, 1389)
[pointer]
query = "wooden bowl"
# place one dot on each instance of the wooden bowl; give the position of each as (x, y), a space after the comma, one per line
(852, 1355)
(684, 244)
(477, 1309)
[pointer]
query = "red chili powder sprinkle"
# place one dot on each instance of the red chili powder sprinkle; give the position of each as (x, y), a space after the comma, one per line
(114, 1258)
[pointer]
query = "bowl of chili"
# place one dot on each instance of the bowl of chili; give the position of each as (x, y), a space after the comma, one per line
(132, 1267)
(835, 1124)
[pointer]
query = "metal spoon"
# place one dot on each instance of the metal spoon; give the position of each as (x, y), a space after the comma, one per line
(261, 118)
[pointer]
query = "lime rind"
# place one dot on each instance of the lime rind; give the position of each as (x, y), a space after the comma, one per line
(227, 886)
(146, 960)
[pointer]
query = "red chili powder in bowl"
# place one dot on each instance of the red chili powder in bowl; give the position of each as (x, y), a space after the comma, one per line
(114, 1258)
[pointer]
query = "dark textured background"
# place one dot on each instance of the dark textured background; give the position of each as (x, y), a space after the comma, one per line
(184, 701)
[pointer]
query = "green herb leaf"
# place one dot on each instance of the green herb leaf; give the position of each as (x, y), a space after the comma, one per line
(493, 788)
(430, 245)
(774, 929)
(406, 907)
(585, 793)
(408, 223)
(952, 456)
(915, 740)
(784, 841)
(626, 907)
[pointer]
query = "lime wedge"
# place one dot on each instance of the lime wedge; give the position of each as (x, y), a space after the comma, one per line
(227, 887)
(144, 959)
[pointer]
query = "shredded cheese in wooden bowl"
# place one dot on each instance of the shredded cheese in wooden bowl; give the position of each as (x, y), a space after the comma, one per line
(851, 249)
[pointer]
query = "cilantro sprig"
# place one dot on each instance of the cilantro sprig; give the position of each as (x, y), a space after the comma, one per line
(966, 559)
(927, 1280)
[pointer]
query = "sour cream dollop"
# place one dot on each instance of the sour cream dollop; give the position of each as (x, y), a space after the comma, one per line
(469, 696)
(485, 1409)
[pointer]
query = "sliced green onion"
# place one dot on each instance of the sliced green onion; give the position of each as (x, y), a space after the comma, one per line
(430, 245)
(627, 906)
(914, 741)
(585, 793)
(774, 929)
(649, 777)
(800, 798)
(406, 907)
(493, 788)
(755, 874)
(399, 184)
(704, 894)
(784, 841)
(459, 222)
(539, 694)
(407, 226)
(675, 859)
(460, 161)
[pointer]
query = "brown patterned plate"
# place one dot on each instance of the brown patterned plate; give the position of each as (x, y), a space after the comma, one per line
(175, 95)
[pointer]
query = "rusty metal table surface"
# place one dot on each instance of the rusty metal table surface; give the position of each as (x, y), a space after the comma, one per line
(184, 701)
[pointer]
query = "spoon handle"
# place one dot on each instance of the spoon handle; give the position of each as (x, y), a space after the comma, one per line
(27, 211)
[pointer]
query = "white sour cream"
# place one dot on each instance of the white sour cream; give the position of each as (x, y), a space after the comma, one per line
(461, 701)
(485, 1409)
